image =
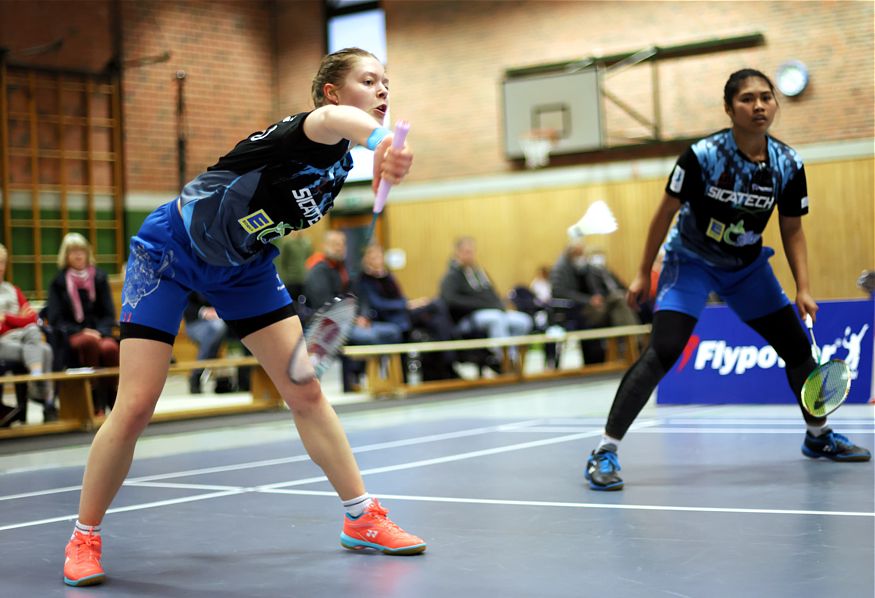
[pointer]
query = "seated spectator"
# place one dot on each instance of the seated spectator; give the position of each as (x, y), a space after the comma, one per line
(22, 341)
(541, 286)
(81, 313)
(208, 331)
(597, 295)
(472, 300)
(383, 300)
(327, 277)
(607, 306)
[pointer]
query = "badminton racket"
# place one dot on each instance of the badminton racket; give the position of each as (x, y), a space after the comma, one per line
(401, 129)
(329, 328)
(827, 387)
(597, 220)
(326, 334)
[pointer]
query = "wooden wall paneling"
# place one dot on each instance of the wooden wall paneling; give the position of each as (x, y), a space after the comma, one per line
(519, 231)
(839, 226)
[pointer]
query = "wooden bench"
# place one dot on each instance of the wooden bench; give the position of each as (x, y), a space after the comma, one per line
(76, 407)
(385, 376)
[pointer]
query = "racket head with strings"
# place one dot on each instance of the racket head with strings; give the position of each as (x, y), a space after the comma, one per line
(826, 388)
(323, 340)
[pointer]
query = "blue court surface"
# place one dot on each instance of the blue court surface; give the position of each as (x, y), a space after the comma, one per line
(719, 501)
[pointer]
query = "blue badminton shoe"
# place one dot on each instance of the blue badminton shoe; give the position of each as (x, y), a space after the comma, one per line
(601, 469)
(833, 446)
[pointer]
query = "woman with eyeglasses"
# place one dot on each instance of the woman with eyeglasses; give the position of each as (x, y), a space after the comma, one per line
(724, 189)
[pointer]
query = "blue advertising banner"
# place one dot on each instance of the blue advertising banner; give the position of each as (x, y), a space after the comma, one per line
(727, 362)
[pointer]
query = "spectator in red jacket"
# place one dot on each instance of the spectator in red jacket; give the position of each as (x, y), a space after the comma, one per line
(22, 340)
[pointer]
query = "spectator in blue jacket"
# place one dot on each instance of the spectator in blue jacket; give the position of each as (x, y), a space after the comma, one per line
(418, 319)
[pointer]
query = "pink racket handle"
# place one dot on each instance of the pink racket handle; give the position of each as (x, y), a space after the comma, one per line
(399, 135)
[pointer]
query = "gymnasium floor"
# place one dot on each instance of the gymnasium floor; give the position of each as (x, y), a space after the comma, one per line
(719, 502)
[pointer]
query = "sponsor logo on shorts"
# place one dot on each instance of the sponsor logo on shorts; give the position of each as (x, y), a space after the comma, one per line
(255, 221)
(144, 273)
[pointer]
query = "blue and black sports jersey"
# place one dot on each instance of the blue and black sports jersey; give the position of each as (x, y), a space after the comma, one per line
(273, 182)
(727, 199)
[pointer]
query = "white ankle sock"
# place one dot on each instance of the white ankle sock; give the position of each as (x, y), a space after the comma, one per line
(356, 506)
(606, 440)
(87, 529)
(816, 430)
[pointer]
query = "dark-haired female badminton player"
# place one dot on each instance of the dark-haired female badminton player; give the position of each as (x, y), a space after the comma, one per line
(725, 187)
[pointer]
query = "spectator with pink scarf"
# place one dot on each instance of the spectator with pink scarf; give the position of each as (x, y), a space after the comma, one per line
(82, 315)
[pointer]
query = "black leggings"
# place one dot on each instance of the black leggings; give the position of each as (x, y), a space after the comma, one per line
(672, 330)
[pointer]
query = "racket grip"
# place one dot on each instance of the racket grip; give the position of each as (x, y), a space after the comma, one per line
(808, 322)
(399, 135)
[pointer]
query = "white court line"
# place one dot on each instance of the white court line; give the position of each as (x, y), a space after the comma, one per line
(362, 449)
(40, 492)
(525, 503)
(139, 507)
(459, 456)
(317, 479)
(748, 431)
(174, 485)
(764, 421)
(579, 505)
(281, 487)
(679, 430)
(669, 420)
(296, 459)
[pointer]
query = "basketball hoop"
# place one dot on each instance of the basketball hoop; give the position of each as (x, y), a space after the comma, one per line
(536, 145)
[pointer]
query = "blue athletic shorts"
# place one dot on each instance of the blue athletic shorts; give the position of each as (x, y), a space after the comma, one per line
(752, 292)
(163, 269)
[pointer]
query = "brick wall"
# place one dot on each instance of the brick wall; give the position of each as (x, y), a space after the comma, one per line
(226, 51)
(447, 60)
(249, 62)
(27, 27)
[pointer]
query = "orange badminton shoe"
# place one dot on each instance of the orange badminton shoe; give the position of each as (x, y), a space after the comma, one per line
(82, 563)
(373, 529)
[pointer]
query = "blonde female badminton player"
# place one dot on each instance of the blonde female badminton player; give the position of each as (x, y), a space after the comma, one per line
(215, 239)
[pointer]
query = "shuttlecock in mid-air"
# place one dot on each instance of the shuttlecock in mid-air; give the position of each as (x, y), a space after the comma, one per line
(598, 220)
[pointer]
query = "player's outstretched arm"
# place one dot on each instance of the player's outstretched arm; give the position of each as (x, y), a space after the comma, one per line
(796, 249)
(639, 288)
(331, 123)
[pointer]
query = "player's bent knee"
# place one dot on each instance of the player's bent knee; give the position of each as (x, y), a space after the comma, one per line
(133, 413)
(302, 398)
